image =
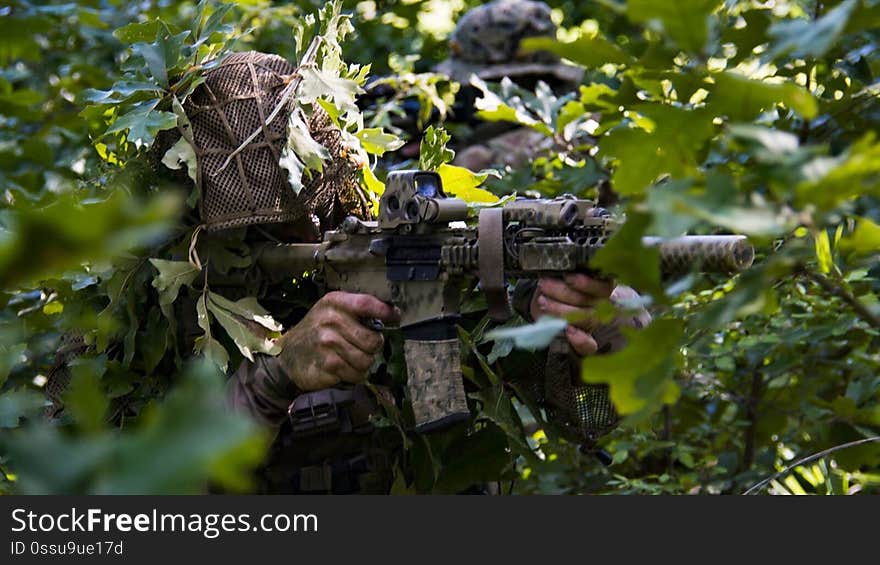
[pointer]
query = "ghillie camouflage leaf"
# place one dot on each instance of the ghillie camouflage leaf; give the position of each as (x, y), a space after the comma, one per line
(179, 154)
(320, 83)
(302, 153)
(251, 328)
(172, 275)
(205, 344)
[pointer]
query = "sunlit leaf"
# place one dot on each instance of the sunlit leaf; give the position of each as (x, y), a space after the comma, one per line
(639, 375)
(531, 336)
(462, 183)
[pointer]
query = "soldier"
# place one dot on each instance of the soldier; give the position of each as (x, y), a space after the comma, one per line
(326, 350)
(486, 44)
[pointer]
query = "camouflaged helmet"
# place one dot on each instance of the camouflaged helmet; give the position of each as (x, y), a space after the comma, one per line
(235, 100)
(486, 41)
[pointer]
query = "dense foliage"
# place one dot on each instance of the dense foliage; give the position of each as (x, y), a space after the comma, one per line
(704, 116)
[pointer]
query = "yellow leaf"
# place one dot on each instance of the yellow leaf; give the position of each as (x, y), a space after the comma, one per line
(462, 183)
(375, 188)
(865, 240)
(823, 251)
(53, 308)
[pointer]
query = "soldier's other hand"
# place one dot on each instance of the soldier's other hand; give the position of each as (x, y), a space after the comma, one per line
(330, 344)
(572, 297)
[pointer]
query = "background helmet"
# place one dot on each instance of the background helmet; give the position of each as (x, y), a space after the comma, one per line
(486, 42)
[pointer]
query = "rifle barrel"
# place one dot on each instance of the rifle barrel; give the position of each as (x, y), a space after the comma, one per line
(712, 253)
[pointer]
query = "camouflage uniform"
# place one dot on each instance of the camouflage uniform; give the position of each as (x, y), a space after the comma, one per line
(325, 440)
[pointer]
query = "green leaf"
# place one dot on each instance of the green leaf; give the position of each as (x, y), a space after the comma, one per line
(496, 407)
(829, 181)
(84, 397)
(640, 374)
(592, 96)
(802, 37)
(177, 447)
(18, 404)
(865, 239)
(493, 108)
(742, 99)
(11, 355)
(301, 153)
(777, 143)
(686, 22)
(587, 51)
(433, 151)
(214, 22)
(476, 457)
(143, 122)
(249, 326)
(172, 275)
(138, 31)
(638, 160)
(46, 240)
(377, 142)
(631, 263)
(318, 83)
(462, 183)
(530, 336)
(373, 184)
(205, 344)
(121, 90)
(671, 147)
(154, 56)
(375, 188)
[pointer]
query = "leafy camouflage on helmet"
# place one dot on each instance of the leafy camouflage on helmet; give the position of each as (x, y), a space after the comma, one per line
(486, 42)
(235, 100)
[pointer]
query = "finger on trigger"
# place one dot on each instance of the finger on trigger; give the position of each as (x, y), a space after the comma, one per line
(366, 306)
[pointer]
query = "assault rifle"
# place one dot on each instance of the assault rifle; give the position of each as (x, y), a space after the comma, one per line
(420, 254)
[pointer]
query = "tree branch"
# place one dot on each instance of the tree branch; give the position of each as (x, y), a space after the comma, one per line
(844, 294)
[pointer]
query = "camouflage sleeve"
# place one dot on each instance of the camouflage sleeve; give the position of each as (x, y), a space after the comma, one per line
(521, 297)
(262, 390)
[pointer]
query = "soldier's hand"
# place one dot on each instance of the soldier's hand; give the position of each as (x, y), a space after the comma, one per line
(330, 344)
(573, 296)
